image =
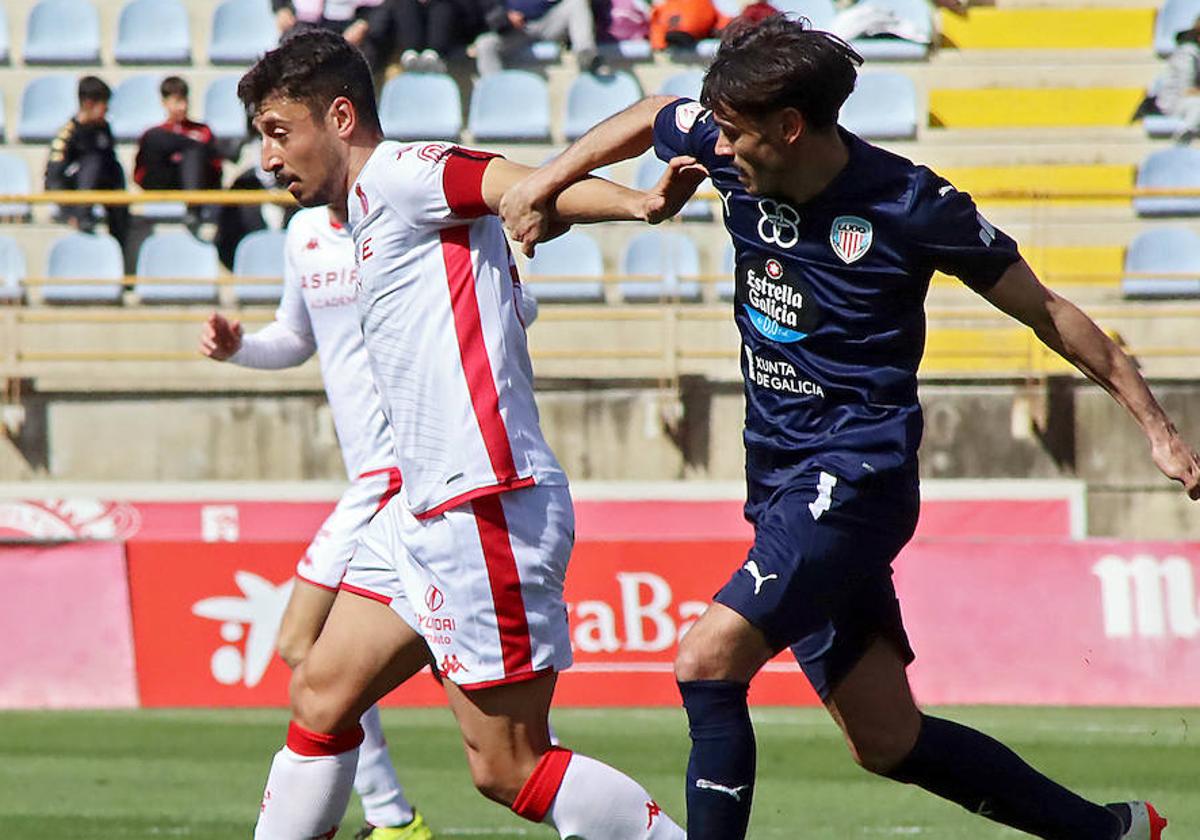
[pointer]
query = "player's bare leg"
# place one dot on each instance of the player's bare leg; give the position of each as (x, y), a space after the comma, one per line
(375, 780)
(507, 738)
(363, 652)
(888, 735)
(717, 658)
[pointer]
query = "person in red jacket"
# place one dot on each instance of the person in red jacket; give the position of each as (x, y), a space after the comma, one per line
(179, 154)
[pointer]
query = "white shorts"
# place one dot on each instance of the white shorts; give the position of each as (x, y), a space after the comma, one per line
(482, 582)
(327, 556)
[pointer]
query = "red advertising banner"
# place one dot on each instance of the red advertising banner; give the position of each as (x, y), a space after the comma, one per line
(65, 624)
(1040, 621)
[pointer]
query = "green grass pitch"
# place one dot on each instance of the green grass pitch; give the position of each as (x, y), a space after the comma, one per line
(198, 774)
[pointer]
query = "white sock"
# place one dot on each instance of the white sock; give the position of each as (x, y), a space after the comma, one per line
(586, 799)
(375, 778)
(309, 785)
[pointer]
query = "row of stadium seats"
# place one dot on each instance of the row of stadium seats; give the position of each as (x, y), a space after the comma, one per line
(655, 265)
(513, 105)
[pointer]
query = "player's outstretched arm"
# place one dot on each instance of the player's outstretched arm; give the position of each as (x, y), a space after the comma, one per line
(593, 199)
(273, 347)
(622, 136)
(220, 338)
(1064, 328)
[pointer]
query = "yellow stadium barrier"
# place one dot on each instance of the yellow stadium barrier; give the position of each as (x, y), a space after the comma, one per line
(1048, 28)
(1032, 107)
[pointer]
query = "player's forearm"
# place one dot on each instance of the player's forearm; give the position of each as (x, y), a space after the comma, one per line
(1078, 339)
(622, 136)
(597, 200)
(273, 347)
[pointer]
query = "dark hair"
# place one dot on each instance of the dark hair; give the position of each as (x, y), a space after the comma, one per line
(93, 89)
(313, 67)
(173, 86)
(779, 62)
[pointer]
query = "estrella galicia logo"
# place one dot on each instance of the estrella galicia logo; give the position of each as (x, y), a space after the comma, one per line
(851, 237)
(780, 306)
(779, 223)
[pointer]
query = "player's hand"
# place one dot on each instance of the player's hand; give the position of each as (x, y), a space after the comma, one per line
(677, 185)
(220, 338)
(1178, 461)
(523, 211)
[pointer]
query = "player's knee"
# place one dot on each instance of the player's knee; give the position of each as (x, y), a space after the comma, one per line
(699, 662)
(879, 752)
(317, 704)
(497, 780)
(292, 646)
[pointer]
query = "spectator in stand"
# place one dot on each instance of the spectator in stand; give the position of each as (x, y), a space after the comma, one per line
(179, 154)
(83, 157)
(512, 24)
(350, 18)
(1178, 92)
(425, 32)
(681, 23)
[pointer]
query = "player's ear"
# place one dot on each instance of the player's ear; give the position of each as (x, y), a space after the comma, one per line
(343, 117)
(791, 125)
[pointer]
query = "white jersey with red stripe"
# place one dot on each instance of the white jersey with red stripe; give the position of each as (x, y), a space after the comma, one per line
(443, 328)
(320, 300)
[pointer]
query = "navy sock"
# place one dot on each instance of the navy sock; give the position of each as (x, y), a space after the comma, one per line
(720, 774)
(987, 778)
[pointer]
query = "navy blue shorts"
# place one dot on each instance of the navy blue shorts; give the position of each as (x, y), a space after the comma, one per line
(818, 578)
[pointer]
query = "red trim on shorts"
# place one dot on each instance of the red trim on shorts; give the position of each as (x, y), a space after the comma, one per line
(516, 647)
(478, 492)
(513, 680)
(462, 181)
(312, 582)
(473, 351)
(536, 797)
(366, 593)
(303, 742)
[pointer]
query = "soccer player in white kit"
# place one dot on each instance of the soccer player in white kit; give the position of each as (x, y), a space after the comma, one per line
(318, 313)
(468, 562)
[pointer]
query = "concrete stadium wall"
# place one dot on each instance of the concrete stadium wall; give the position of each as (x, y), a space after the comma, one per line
(1066, 429)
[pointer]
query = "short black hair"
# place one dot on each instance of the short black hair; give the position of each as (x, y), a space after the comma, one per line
(173, 86)
(779, 62)
(314, 67)
(93, 89)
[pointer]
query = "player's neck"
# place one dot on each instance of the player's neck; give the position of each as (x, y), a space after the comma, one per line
(359, 154)
(819, 161)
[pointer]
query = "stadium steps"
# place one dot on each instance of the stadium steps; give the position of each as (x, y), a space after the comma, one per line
(1048, 28)
(1033, 107)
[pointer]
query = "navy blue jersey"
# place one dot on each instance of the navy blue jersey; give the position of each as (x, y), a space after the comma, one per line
(830, 301)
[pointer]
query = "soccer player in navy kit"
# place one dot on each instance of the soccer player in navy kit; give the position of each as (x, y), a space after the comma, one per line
(835, 242)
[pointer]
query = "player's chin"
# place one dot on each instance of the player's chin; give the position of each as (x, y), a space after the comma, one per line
(305, 197)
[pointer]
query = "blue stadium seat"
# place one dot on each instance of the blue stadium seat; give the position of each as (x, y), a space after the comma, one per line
(3, 108)
(5, 40)
(686, 83)
(421, 106)
(883, 106)
(1164, 250)
(63, 32)
(223, 111)
(259, 254)
(1177, 167)
(574, 254)
(85, 256)
(1174, 16)
(592, 98)
(46, 104)
(242, 30)
(819, 13)
(14, 180)
(12, 269)
(666, 255)
(177, 255)
(510, 105)
(650, 169)
(915, 12)
(153, 32)
(136, 106)
(631, 49)
(725, 288)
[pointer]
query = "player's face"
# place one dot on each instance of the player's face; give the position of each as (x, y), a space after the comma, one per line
(757, 151)
(176, 108)
(303, 153)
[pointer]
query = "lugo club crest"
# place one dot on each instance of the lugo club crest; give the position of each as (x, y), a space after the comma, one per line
(780, 306)
(851, 237)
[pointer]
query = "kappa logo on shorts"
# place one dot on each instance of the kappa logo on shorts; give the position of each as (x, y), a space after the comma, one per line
(759, 578)
(450, 665)
(434, 599)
